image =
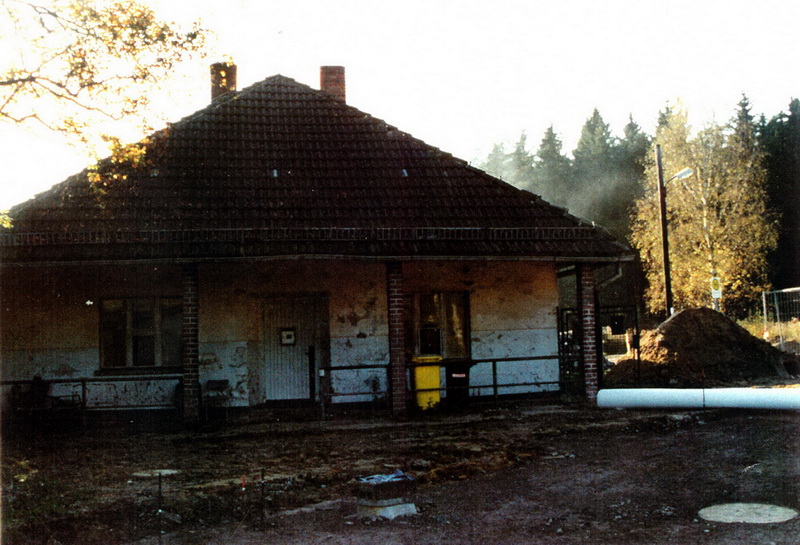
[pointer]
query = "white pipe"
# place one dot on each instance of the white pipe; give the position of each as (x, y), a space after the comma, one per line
(698, 398)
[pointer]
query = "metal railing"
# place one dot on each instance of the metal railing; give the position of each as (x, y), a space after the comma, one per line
(495, 385)
(77, 396)
(328, 394)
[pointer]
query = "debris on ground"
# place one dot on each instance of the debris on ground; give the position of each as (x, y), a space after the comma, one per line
(699, 348)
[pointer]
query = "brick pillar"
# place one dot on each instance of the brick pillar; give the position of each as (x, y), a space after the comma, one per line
(191, 349)
(589, 348)
(397, 348)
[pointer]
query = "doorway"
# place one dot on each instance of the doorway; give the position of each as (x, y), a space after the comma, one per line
(295, 346)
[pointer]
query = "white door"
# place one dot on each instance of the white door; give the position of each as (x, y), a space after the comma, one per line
(295, 333)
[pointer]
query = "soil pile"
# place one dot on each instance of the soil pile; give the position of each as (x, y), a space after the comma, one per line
(698, 348)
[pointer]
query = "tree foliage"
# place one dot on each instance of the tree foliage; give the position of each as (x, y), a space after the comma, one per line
(718, 220)
(78, 64)
(737, 217)
(600, 184)
(780, 140)
(497, 163)
(520, 163)
(551, 170)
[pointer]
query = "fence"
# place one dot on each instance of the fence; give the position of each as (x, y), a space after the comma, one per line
(26, 399)
(491, 378)
(782, 318)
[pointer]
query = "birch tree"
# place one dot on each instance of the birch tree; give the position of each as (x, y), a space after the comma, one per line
(718, 221)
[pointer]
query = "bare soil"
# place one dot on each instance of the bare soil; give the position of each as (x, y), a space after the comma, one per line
(701, 348)
(523, 472)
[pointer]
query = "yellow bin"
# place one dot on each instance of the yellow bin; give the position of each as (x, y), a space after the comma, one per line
(425, 377)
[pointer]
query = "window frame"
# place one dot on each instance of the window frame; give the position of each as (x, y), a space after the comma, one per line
(131, 331)
(416, 324)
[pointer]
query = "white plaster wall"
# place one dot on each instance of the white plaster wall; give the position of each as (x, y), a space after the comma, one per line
(227, 361)
(513, 313)
(231, 321)
(512, 307)
(49, 326)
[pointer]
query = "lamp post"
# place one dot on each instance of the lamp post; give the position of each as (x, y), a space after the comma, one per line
(662, 204)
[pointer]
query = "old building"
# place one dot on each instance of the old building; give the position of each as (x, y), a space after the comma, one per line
(279, 245)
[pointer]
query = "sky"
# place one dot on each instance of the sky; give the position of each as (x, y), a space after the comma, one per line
(463, 75)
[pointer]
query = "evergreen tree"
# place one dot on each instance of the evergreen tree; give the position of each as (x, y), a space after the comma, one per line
(521, 164)
(551, 171)
(744, 127)
(497, 163)
(595, 177)
(594, 148)
(664, 116)
(780, 141)
(600, 185)
(630, 160)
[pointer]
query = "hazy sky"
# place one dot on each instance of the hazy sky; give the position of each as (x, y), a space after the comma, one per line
(465, 74)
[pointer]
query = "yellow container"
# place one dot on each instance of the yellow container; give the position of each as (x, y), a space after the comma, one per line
(425, 377)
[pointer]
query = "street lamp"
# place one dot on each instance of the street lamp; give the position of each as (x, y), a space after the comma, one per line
(662, 201)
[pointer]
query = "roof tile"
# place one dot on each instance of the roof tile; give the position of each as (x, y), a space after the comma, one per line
(282, 154)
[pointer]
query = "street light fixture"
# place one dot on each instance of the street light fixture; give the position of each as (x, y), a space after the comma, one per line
(662, 201)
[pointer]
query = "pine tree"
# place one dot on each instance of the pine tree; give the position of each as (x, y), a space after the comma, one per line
(595, 177)
(551, 171)
(629, 162)
(521, 164)
(780, 141)
(497, 163)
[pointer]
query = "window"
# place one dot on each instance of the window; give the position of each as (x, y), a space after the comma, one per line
(441, 324)
(140, 332)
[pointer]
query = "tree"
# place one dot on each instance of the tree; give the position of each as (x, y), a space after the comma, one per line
(497, 163)
(745, 130)
(602, 184)
(521, 164)
(632, 150)
(780, 141)
(79, 64)
(718, 219)
(594, 152)
(550, 177)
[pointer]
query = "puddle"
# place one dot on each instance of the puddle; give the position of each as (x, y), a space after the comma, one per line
(751, 513)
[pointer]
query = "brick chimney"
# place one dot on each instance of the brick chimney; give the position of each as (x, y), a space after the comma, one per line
(223, 79)
(331, 80)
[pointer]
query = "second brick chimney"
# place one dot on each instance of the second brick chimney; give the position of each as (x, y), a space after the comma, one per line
(331, 80)
(223, 78)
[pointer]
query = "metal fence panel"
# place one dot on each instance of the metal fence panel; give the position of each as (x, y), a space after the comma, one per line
(782, 318)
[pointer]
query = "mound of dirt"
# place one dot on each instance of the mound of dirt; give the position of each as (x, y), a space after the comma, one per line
(696, 348)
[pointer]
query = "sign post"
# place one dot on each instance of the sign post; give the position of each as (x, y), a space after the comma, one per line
(716, 291)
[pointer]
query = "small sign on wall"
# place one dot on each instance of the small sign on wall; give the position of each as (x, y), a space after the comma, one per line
(288, 336)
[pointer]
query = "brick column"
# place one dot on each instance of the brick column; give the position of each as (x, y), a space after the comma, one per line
(191, 349)
(589, 348)
(397, 348)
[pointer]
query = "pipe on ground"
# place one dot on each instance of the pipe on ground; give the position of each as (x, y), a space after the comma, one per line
(700, 398)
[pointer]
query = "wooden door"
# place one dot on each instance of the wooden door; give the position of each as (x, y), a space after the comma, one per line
(295, 334)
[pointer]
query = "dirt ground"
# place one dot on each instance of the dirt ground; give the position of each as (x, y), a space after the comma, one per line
(523, 472)
(698, 348)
